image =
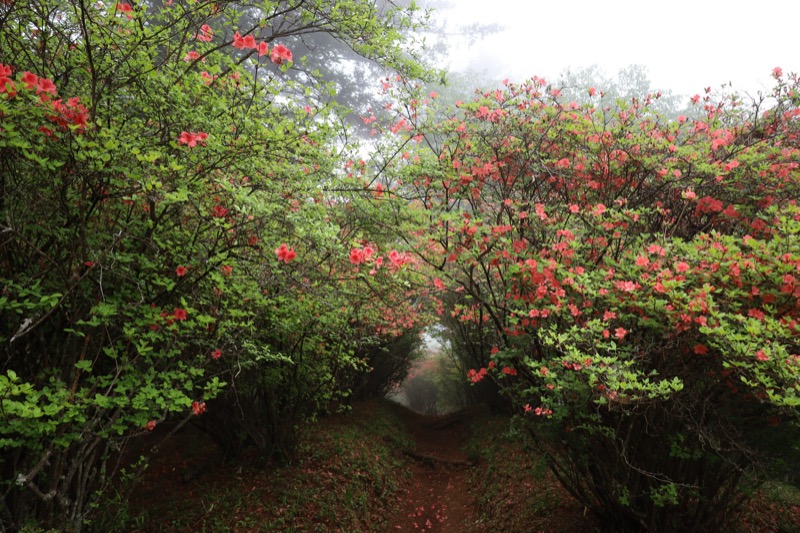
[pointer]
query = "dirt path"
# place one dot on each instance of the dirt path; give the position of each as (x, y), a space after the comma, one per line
(439, 499)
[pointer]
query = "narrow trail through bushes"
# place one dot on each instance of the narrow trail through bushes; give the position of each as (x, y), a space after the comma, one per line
(438, 498)
(379, 468)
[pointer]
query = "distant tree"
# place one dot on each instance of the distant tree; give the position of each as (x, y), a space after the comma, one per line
(631, 82)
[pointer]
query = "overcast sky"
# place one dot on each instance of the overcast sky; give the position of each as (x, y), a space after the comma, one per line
(686, 44)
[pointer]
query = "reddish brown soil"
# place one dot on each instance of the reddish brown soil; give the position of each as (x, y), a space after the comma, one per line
(438, 498)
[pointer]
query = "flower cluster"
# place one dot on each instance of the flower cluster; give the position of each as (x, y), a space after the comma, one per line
(285, 253)
(476, 375)
(539, 411)
(192, 139)
(361, 255)
(218, 211)
(66, 115)
(124, 8)
(205, 34)
(280, 53)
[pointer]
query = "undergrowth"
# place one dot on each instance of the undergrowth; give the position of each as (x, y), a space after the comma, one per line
(348, 472)
(514, 491)
(350, 475)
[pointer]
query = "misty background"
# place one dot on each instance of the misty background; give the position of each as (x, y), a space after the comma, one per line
(684, 45)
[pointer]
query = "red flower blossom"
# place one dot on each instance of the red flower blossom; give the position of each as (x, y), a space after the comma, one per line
(30, 79)
(598, 210)
(476, 375)
(6, 85)
(187, 138)
(227, 270)
(45, 85)
(357, 256)
(700, 349)
(730, 165)
(280, 54)
(285, 253)
(263, 48)
(218, 211)
(708, 204)
(198, 408)
(238, 42)
(249, 41)
(206, 33)
(191, 139)
(398, 259)
(125, 8)
(179, 314)
(150, 426)
(180, 271)
(216, 354)
(626, 286)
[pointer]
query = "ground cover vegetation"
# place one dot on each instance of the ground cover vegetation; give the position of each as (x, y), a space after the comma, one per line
(354, 473)
(190, 235)
(348, 477)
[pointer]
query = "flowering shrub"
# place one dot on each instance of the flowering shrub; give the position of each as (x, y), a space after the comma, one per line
(637, 279)
(150, 168)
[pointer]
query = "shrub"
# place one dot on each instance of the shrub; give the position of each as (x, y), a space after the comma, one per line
(640, 277)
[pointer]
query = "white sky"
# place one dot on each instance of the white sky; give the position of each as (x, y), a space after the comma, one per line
(686, 45)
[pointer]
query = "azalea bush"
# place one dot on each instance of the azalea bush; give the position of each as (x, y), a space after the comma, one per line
(316, 339)
(639, 279)
(167, 228)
